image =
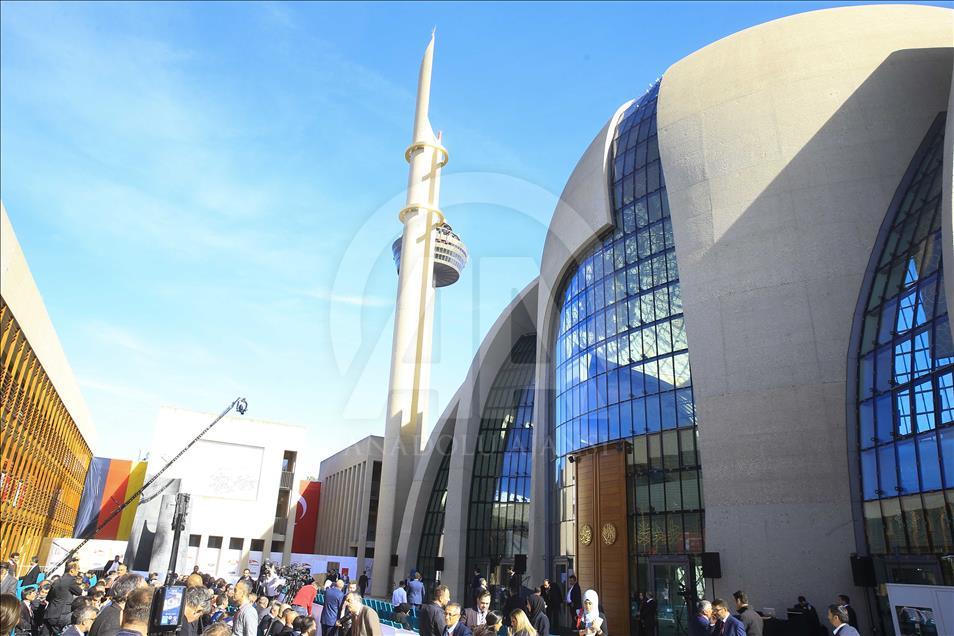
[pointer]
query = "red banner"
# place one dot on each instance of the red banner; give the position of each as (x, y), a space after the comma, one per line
(306, 517)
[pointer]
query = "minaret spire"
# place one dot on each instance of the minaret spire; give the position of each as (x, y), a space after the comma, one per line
(422, 268)
(423, 133)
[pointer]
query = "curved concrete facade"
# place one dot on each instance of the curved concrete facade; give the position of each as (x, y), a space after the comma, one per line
(409, 539)
(782, 147)
(461, 422)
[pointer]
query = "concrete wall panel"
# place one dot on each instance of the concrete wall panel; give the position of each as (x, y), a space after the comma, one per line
(782, 147)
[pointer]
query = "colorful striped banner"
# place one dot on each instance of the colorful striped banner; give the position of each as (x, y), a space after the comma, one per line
(109, 482)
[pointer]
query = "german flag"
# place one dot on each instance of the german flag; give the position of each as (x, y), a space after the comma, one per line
(109, 482)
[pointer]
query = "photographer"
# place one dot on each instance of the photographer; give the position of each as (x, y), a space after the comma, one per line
(273, 582)
(197, 602)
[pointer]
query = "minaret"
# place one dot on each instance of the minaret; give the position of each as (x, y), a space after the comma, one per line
(421, 268)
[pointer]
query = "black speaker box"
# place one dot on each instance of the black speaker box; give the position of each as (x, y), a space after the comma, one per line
(862, 571)
(711, 565)
(394, 559)
(439, 564)
(520, 563)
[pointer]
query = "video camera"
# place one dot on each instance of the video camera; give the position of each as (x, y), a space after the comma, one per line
(168, 606)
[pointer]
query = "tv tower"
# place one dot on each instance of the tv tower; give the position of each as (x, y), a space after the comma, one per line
(428, 255)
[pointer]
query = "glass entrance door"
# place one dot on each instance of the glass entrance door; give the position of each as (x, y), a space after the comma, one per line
(671, 586)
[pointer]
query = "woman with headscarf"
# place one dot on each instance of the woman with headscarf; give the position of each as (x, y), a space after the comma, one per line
(491, 626)
(592, 622)
(520, 624)
(537, 613)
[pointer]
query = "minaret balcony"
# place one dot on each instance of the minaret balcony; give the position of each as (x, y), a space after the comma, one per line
(450, 255)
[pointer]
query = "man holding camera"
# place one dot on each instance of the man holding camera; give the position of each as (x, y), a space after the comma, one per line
(273, 582)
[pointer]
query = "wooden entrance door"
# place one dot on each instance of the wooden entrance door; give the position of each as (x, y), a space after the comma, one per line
(602, 533)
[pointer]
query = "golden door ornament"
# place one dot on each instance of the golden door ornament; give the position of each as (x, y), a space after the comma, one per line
(586, 534)
(609, 533)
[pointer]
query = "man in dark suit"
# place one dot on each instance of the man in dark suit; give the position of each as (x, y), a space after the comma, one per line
(27, 624)
(32, 574)
(574, 600)
(334, 596)
(516, 596)
(455, 626)
(845, 602)
(477, 615)
(108, 622)
(700, 624)
(553, 597)
(749, 617)
(727, 625)
(431, 617)
(109, 565)
(284, 625)
(647, 614)
(60, 600)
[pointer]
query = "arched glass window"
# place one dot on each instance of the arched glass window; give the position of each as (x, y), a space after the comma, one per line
(622, 360)
(432, 534)
(499, 523)
(905, 395)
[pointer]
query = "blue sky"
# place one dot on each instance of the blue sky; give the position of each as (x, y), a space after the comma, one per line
(207, 193)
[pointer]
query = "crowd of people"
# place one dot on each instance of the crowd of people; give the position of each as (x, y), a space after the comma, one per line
(713, 618)
(116, 602)
(523, 611)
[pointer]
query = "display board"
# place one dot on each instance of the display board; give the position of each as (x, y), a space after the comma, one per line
(921, 610)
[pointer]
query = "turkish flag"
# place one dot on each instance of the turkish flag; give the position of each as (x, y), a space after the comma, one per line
(306, 517)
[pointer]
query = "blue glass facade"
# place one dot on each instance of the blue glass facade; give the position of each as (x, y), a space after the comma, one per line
(905, 397)
(622, 360)
(499, 523)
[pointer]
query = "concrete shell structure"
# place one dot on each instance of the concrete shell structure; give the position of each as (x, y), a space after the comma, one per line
(453, 443)
(784, 153)
(781, 167)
